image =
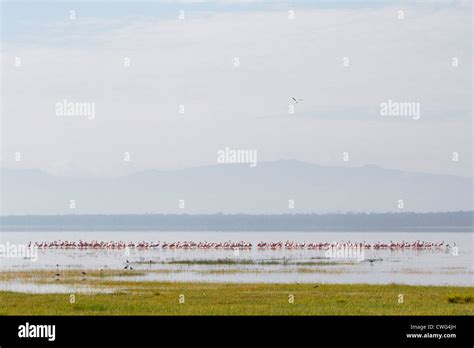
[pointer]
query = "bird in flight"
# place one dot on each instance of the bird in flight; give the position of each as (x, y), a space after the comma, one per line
(296, 101)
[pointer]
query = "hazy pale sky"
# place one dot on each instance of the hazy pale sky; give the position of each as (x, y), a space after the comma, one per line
(390, 55)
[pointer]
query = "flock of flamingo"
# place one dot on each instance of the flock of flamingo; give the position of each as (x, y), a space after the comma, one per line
(242, 245)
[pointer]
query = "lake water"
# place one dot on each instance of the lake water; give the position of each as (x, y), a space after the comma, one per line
(425, 267)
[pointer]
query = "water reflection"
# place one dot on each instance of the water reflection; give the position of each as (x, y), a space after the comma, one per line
(416, 267)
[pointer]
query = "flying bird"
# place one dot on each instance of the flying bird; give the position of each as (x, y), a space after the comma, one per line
(296, 101)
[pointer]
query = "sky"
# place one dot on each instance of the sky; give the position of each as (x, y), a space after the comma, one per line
(167, 91)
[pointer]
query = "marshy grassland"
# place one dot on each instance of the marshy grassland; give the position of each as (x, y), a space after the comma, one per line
(130, 297)
(228, 262)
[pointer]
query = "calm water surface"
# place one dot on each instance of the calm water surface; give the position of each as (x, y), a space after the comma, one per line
(426, 267)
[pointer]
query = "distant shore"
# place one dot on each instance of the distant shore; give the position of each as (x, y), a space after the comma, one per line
(460, 221)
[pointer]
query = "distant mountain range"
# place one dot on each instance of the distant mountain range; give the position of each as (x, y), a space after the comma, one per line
(236, 188)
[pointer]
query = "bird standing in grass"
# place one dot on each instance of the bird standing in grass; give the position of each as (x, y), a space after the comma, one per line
(57, 274)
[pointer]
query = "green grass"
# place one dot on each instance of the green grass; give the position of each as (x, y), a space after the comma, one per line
(162, 298)
(461, 299)
(215, 262)
(220, 262)
(66, 276)
(323, 263)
